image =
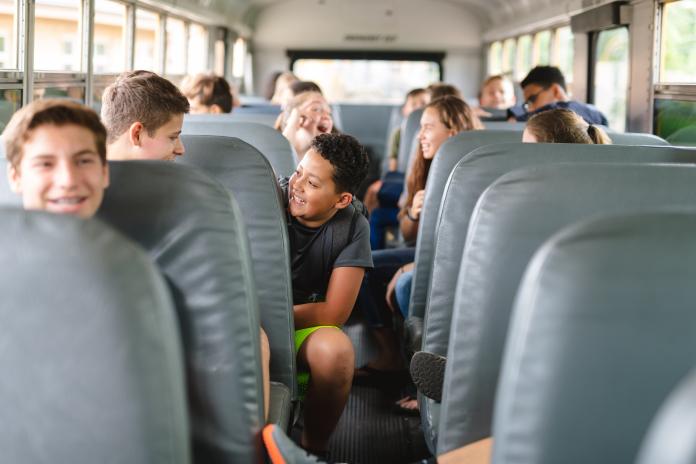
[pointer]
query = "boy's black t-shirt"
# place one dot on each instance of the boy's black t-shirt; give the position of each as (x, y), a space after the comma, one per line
(310, 250)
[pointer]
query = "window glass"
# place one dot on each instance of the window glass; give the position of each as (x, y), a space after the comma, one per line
(678, 47)
(8, 35)
(494, 59)
(197, 49)
(98, 85)
(524, 56)
(176, 47)
(219, 55)
(367, 81)
(675, 121)
(542, 48)
(238, 57)
(508, 55)
(611, 75)
(146, 38)
(57, 35)
(75, 92)
(247, 84)
(563, 52)
(109, 39)
(10, 101)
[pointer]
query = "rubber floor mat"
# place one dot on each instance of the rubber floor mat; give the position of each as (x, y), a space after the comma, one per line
(371, 432)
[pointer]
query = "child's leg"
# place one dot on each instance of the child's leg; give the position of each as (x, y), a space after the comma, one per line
(329, 356)
(265, 372)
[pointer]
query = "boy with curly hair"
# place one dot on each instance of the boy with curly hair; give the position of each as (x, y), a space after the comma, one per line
(330, 250)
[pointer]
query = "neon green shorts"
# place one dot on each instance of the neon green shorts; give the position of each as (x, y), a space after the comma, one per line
(300, 337)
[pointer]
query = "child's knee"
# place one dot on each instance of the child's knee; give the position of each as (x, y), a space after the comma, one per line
(332, 356)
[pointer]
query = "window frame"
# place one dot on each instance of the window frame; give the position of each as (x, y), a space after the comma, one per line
(553, 49)
(592, 68)
(25, 78)
(298, 54)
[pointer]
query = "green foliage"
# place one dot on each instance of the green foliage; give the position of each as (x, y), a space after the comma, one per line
(679, 42)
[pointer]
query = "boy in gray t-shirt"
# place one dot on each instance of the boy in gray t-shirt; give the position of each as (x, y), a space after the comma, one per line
(330, 250)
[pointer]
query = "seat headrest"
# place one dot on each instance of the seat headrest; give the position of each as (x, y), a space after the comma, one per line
(90, 347)
(670, 439)
(454, 149)
(469, 179)
(513, 217)
(267, 140)
(244, 171)
(409, 129)
(602, 331)
(193, 230)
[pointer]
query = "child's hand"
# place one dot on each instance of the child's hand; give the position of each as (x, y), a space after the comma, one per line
(417, 204)
(302, 126)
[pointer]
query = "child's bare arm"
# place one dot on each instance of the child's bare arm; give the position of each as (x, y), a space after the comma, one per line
(344, 286)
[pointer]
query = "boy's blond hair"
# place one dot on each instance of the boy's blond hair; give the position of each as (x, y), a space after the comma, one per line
(50, 112)
(140, 96)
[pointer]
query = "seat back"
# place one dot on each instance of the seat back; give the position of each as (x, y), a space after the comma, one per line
(409, 131)
(448, 155)
(243, 170)
(257, 108)
(368, 123)
(636, 138)
(252, 115)
(670, 439)
(466, 143)
(267, 140)
(469, 179)
(602, 331)
(513, 217)
(395, 121)
(504, 125)
(193, 230)
(91, 347)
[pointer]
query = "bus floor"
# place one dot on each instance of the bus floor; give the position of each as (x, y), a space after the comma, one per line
(370, 429)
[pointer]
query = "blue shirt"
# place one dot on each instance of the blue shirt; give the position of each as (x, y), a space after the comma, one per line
(589, 113)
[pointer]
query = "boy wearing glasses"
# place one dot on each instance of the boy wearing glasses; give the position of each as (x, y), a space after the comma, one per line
(544, 88)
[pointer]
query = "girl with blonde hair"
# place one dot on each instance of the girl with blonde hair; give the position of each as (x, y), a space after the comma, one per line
(562, 126)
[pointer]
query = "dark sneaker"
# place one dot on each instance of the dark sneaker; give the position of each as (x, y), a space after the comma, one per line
(428, 373)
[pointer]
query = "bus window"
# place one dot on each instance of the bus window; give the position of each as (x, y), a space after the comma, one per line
(508, 55)
(495, 59)
(219, 58)
(197, 49)
(610, 78)
(10, 101)
(57, 41)
(147, 33)
(367, 81)
(563, 52)
(8, 35)
(678, 50)
(542, 48)
(239, 51)
(75, 92)
(675, 121)
(524, 56)
(176, 48)
(109, 38)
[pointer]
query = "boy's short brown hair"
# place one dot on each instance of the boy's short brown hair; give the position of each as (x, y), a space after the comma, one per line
(210, 90)
(140, 96)
(50, 111)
